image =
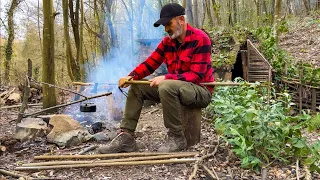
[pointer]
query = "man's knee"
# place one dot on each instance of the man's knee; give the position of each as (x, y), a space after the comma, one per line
(168, 86)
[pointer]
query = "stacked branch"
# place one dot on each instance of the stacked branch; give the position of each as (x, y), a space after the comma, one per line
(118, 159)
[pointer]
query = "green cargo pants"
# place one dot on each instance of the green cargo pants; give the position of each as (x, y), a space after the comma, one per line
(172, 94)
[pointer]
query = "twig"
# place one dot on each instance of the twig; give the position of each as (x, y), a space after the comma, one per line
(214, 172)
(307, 174)
(19, 105)
(208, 171)
(64, 89)
(200, 160)
(110, 160)
(194, 172)
(67, 104)
(25, 93)
(264, 172)
(153, 111)
(297, 169)
(207, 119)
(213, 153)
(93, 156)
(13, 174)
(230, 174)
(151, 162)
(8, 94)
(90, 148)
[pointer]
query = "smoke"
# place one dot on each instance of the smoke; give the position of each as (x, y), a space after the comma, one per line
(123, 58)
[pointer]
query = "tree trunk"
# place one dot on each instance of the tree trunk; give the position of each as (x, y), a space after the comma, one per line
(277, 13)
(189, 11)
(195, 13)
(81, 59)
(216, 9)
(74, 18)
(141, 7)
(306, 5)
(289, 6)
(264, 8)
(235, 13)
(272, 6)
(113, 38)
(48, 67)
(69, 57)
(258, 5)
(8, 47)
(230, 22)
(204, 12)
(210, 17)
(184, 3)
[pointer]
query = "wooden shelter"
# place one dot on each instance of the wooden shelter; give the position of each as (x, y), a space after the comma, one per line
(250, 65)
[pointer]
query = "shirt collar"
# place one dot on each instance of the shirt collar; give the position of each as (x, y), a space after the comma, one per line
(186, 39)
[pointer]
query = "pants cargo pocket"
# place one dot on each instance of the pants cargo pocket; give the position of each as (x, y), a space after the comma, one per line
(187, 95)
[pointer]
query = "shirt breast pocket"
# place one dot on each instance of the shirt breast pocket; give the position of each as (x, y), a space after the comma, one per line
(185, 63)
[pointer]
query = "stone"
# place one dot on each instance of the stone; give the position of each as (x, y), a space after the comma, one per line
(67, 131)
(30, 128)
(104, 136)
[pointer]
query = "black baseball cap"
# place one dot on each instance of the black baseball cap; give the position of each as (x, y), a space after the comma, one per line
(168, 12)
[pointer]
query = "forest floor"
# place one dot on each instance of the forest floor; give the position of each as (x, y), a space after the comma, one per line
(302, 42)
(150, 134)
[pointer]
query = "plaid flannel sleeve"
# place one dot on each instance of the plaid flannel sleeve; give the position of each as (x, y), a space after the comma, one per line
(199, 63)
(150, 64)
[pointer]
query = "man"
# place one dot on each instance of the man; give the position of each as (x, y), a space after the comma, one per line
(186, 52)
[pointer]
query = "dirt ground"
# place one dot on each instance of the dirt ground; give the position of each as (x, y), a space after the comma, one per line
(302, 42)
(150, 134)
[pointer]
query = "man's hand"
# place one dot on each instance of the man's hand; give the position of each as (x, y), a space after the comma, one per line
(122, 81)
(156, 81)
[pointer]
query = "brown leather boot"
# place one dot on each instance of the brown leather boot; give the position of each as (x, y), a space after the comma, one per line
(123, 142)
(174, 143)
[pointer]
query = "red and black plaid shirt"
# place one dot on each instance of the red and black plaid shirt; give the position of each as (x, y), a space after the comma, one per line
(191, 62)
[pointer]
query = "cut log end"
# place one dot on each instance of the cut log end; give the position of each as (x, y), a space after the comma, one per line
(3, 148)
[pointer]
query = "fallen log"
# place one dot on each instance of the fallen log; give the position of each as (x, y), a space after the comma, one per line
(176, 155)
(6, 94)
(13, 99)
(151, 162)
(94, 156)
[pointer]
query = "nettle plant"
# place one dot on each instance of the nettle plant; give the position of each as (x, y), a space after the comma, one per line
(261, 133)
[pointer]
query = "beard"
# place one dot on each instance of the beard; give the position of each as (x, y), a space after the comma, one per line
(177, 33)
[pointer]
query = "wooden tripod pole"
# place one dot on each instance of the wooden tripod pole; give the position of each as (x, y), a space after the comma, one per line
(67, 104)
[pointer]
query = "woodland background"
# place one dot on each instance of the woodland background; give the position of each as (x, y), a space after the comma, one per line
(70, 40)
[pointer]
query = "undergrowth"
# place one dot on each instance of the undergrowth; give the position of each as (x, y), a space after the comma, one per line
(259, 132)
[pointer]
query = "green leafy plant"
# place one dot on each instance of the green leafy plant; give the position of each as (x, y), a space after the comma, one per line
(259, 132)
(223, 60)
(314, 123)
